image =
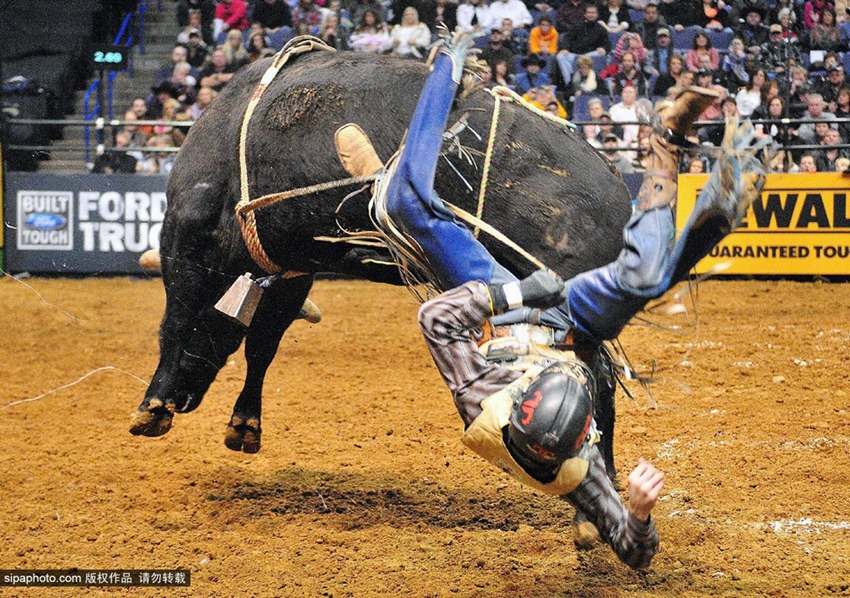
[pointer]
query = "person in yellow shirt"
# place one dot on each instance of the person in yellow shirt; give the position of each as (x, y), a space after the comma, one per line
(543, 96)
(543, 39)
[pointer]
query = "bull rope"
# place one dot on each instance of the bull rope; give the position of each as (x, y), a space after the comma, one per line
(245, 208)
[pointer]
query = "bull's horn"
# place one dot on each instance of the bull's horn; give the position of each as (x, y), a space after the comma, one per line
(150, 260)
(310, 312)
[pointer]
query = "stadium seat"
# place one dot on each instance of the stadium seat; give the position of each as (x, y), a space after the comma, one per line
(683, 40)
(580, 111)
(599, 62)
(720, 39)
(636, 15)
(615, 37)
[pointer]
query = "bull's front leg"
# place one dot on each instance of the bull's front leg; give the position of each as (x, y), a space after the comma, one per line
(278, 308)
(195, 342)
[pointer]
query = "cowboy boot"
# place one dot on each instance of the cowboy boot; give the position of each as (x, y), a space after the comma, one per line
(355, 151)
(676, 119)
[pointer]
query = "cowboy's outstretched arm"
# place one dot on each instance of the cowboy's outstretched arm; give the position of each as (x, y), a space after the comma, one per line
(602, 301)
(453, 252)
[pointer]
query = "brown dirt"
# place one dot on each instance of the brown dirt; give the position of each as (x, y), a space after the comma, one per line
(362, 487)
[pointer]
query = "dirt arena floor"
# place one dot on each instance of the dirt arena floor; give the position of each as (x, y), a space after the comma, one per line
(362, 487)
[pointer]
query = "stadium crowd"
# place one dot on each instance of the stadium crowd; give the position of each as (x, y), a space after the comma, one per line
(601, 63)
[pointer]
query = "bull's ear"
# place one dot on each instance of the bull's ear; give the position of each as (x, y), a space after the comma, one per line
(355, 151)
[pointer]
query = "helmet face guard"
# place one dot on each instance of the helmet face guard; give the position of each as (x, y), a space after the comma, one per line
(550, 421)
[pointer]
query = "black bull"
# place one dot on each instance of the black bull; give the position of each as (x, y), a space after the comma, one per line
(547, 190)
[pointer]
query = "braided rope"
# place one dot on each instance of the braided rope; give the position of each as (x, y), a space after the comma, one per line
(273, 198)
(247, 223)
(485, 174)
(512, 96)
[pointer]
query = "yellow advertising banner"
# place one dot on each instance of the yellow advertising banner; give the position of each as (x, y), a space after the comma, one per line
(799, 225)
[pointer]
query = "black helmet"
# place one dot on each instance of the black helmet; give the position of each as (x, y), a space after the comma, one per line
(550, 420)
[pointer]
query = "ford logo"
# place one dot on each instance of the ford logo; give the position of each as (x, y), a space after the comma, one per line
(46, 221)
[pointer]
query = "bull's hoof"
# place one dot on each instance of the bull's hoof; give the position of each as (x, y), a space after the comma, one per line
(585, 535)
(153, 419)
(243, 434)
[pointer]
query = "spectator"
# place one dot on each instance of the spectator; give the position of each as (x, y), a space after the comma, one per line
(410, 38)
(371, 35)
(361, 6)
(670, 78)
(307, 14)
(812, 12)
(116, 161)
(749, 99)
(230, 14)
(179, 54)
(584, 38)
(217, 73)
(798, 92)
(817, 112)
(584, 79)
(259, 46)
(171, 112)
(842, 165)
(712, 15)
(533, 76)
(515, 10)
(627, 74)
(679, 13)
(234, 50)
(184, 84)
(515, 40)
(272, 15)
(611, 145)
(545, 95)
(156, 160)
(649, 27)
(658, 59)
(206, 8)
(332, 33)
(139, 107)
(194, 25)
(160, 95)
(543, 39)
(569, 14)
(842, 110)
(789, 28)
(695, 165)
(495, 51)
(831, 86)
(626, 111)
(206, 95)
(501, 75)
(752, 32)
(807, 164)
(614, 17)
(777, 54)
(632, 42)
(196, 50)
(775, 111)
(826, 35)
(701, 46)
(438, 12)
(473, 15)
(596, 112)
(825, 158)
(137, 136)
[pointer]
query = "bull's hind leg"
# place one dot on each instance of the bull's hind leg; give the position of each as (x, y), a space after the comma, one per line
(280, 305)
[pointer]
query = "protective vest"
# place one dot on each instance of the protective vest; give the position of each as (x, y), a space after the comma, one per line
(485, 434)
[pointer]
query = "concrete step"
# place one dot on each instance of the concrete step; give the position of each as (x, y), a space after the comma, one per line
(160, 34)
